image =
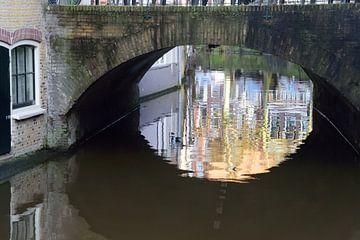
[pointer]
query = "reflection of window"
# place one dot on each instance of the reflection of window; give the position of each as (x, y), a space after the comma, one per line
(274, 126)
(201, 93)
(289, 123)
(214, 122)
(24, 227)
(23, 76)
(304, 123)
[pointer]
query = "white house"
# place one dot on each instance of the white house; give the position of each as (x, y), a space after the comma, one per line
(165, 74)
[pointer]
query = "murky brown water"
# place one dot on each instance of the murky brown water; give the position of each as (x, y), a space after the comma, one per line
(223, 158)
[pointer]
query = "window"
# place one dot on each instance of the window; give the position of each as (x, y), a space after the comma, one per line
(23, 76)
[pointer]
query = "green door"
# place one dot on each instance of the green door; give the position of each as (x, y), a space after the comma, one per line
(4, 101)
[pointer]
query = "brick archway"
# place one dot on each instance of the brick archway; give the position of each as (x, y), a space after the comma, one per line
(19, 35)
(87, 42)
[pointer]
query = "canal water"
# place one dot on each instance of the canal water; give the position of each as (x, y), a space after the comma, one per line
(236, 153)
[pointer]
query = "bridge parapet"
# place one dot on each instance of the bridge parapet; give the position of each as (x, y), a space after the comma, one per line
(159, 9)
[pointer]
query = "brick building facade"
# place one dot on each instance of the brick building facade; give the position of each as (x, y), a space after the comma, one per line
(22, 34)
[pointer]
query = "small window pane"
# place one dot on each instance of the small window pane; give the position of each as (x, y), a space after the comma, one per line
(29, 59)
(20, 60)
(14, 95)
(21, 89)
(13, 62)
(30, 87)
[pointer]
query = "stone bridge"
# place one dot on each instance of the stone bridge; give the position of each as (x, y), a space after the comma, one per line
(95, 53)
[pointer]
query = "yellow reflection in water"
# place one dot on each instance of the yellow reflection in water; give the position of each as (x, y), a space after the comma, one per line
(240, 127)
(232, 125)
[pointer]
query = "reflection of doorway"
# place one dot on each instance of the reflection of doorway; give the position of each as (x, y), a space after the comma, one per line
(4, 101)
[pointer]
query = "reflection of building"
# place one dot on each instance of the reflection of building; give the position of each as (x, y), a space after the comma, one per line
(238, 126)
(40, 208)
(161, 118)
(161, 122)
(234, 126)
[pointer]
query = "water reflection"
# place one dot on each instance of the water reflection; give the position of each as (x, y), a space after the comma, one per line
(233, 123)
(117, 187)
(40, 208)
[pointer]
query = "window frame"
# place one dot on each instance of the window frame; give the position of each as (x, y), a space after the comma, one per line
(36, 69)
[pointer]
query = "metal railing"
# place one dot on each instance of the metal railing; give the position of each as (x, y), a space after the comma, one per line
(197, 2)
(64, 2)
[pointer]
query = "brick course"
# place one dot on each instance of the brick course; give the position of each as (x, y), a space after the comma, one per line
(20, 34)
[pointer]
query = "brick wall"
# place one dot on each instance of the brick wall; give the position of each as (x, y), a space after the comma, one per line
(15, 14)
(28, 135)
(24, 20)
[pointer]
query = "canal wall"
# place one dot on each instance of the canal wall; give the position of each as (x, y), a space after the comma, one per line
(22, 23)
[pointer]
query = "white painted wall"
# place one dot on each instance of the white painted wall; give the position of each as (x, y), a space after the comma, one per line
(166, 73)
(85, 2)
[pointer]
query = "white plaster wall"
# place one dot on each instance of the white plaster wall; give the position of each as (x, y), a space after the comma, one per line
(85, 2)
(164, 74)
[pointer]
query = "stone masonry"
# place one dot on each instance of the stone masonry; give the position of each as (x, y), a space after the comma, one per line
(87, 42)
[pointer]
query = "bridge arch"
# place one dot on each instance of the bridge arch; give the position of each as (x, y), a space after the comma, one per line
(110, 97)
(86, 44)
